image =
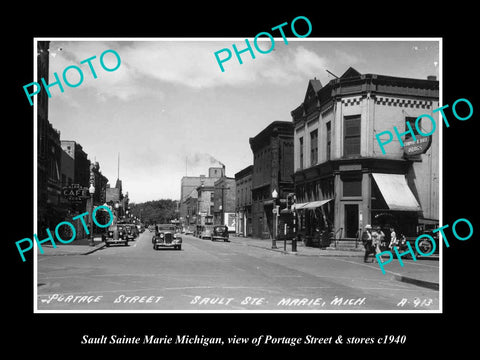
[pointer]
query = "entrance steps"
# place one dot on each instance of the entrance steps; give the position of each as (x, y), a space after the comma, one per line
(346, 244)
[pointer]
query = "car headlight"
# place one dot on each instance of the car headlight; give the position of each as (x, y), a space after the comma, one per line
(161, 236)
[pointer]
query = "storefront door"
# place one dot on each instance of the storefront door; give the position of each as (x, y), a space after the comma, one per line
(351, 220)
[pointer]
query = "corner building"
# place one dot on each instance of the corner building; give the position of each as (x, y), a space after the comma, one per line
(342, 179)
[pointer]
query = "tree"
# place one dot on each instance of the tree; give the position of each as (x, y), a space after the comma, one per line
(155, 211)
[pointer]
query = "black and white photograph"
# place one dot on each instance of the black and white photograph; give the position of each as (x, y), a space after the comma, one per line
(220, 179)
(265, 175)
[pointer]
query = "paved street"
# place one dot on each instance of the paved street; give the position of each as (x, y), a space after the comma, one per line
(218, 276)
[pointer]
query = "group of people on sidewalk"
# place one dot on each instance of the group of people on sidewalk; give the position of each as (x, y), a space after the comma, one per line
(373, 237)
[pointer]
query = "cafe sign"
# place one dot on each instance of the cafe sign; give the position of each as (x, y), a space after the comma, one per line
(75, 193)
(416, 147)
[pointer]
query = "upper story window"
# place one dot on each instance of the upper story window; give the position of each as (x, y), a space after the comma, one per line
(314, 147)
(351, 135)
(329, 140)
(301, 152)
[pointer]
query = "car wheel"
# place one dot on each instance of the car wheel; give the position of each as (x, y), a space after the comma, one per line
(179, 247)
(126, 243)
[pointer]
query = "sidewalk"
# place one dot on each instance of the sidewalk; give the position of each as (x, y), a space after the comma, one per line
(76, 247)
(423, 272)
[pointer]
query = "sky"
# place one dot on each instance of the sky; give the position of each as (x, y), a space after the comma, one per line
(169, 111)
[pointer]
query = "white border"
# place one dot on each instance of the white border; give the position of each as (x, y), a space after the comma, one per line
(35, 179)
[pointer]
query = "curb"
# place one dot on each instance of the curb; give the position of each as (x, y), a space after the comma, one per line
(85, 252)
(422, 283)
(289, 252)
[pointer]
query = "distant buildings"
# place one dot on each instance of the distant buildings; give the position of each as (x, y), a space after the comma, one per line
(191, 183)
(224, 202)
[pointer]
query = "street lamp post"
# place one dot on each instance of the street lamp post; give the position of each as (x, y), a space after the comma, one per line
(275, 213)
(91, 190)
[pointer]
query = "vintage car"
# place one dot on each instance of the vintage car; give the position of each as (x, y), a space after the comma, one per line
(220, 232)
(115, 234)
(132, 231)
(167, 237)
(206, 232)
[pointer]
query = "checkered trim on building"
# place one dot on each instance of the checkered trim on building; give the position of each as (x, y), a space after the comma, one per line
(351, 101)
(418, 104)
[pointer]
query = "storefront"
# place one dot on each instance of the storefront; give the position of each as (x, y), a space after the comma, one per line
(351, 194)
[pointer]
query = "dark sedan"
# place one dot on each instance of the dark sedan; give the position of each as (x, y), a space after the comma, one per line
(167, 237)
(220, 232)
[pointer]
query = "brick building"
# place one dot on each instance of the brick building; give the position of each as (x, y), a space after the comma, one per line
(205, 204)
(189, 183)
(272, 170)
(49, 154)
(243, 201)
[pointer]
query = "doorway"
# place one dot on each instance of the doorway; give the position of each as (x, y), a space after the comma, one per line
(351, 220)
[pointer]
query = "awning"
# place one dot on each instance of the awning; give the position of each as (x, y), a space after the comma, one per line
(396, 192)
(311, 205)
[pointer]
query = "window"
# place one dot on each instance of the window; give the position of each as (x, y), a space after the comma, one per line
(313, 147)
(351, 141)
(301, 152)
(352, 187)
(329, 139)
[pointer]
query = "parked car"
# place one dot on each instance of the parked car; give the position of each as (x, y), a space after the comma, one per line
(115, 234)
(220, 232)
(167, 237)
(131, 230)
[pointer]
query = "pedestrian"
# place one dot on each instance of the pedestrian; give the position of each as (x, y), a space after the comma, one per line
(367, 242)
(377, 238)
(393, 238)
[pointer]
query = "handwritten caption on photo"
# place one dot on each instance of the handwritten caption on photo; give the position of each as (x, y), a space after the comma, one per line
(261, 340)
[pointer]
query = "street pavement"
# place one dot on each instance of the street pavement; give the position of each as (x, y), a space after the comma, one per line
(241, 275)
